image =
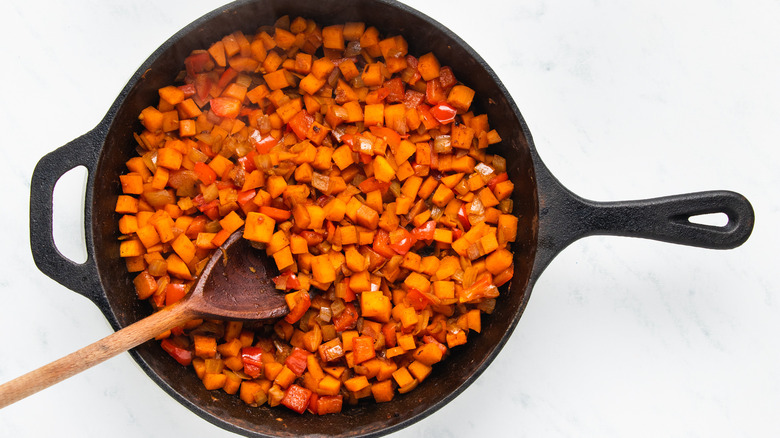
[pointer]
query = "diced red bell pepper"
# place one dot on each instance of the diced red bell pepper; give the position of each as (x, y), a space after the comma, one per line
(447, 77)
(297, 361)
(248, 161)
(297, 398)
(198, 62)
(227, 77)
(203, 83)
(401, 241)
(434, 92)
(392, 137)
(246, 197)
(252, 357)
(301, 306)
(463, 217)
(263, 145)
(425, 231)
(205, 173)
(482, 288)
(413, 99)
(188, 90)
(174, 292)
(182, 355)
(382, 244)
(300, 124)
(427, 119)
(501, 177)
(287, 280)
(226, 107)
(347, 319)
(395, 90)
(444, 112)
(417, 299)
(313, 406)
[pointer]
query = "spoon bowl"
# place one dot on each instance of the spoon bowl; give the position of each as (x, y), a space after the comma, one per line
(234, 285)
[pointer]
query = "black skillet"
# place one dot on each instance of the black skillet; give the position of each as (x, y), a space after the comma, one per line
(551, 217)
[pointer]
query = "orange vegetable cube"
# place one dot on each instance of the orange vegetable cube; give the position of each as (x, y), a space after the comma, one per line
(383, 391)
(214, 381)
(184, 248)
(283, 258)
(322, 269)
(420, 370)
(131, 248)
(126, 204)
(498, 261)
(259, 227)
(375, 305)
(169, 158)
(428, 66)
(356, 383)
(460, 97)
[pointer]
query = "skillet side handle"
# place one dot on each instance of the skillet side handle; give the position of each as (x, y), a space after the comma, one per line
(79, 277)
(667, 219)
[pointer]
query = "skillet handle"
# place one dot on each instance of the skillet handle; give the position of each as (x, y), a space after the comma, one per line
(79, 277)
(565, 217)
(668, 219)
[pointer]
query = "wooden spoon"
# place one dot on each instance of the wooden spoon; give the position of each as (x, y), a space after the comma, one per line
(235, 285)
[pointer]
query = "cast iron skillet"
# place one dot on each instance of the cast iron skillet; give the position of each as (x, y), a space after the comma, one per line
(551, 217)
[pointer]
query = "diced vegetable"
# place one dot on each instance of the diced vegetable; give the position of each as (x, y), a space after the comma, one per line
(361, 170)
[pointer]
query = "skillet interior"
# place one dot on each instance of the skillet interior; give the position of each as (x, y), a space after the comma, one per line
(449, 377)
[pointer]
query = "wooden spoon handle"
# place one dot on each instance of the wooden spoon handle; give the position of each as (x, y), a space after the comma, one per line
(93, 354)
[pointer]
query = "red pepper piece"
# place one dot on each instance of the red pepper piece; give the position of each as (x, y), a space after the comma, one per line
(444, 112)
(297, 398)
(434, 92)
(246, 196)
(425, 231)
(347, 319)
(174, 292)
(300, 124)
(205, 173)
(501, 177)
(248, 161)
(287, 280)
(303, 304)
(463, 217)
(227, 107)
(182, 355)
(401, 241)
(417, 299)
(198, 62)
(252, 357)
(227, 77)
(262, 144)
(297, 361)
(382, 244)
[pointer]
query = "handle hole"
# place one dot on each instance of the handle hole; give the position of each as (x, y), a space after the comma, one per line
(68, 214)
(712, 219)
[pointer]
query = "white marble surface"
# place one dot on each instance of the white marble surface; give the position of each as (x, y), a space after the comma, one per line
(622, 337)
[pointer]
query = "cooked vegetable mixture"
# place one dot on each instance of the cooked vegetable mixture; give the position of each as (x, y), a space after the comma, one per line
(361, 170)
